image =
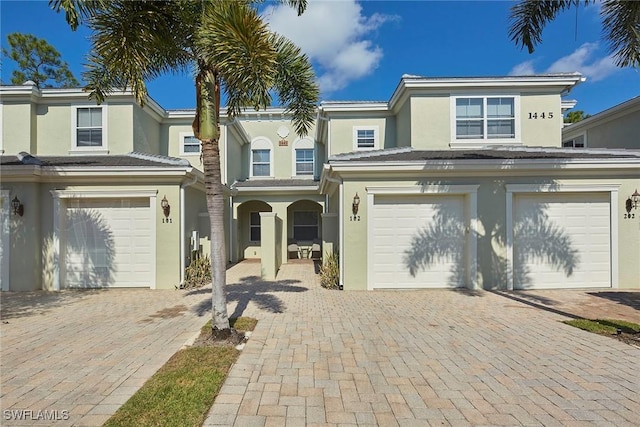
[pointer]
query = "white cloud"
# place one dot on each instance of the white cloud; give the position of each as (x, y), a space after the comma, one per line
(523, 69)
(579, 60)
(336, 37)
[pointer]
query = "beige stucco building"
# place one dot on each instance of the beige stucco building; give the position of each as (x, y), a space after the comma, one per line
(453, 182)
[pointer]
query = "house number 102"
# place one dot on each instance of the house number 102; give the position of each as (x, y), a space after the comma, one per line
(548, 115)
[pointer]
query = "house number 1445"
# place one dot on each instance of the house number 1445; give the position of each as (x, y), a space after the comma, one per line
(548, 115)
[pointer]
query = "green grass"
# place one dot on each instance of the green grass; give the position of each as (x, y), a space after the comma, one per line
(605, 326)
(243, 324)
(183, 390)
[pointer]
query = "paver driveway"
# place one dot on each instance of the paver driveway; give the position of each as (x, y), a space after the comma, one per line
(419, 358)
(322, 357)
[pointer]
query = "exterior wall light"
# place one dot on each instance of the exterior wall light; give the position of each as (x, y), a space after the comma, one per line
(356, 203)
(166, 207)
(17, 207)
(633, 201)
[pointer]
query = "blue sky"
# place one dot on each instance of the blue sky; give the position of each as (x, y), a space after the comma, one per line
(360, 50)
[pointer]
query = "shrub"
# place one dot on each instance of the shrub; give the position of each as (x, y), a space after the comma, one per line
(198, 273)
(330, 272)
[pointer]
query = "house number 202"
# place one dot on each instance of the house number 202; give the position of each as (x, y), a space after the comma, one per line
(543, 115)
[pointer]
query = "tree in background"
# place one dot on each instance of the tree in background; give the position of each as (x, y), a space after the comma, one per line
(575, 116)
(229, 48)
(620, 25)
(37, 61)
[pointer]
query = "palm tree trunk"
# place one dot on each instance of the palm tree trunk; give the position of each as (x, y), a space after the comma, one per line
(206, 128)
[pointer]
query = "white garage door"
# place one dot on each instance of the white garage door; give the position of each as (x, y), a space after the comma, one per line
(4, 240)
(562, 241)
(417, 241)
(108, 242)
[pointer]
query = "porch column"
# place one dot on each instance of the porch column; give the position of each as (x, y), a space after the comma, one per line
(329, 233)
(270, 244)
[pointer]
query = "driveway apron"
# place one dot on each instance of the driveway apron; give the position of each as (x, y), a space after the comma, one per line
(416, 358)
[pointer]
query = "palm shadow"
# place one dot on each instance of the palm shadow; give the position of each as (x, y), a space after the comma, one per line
(631, 299)
(90, 250)
(252, 289)
(536, 237)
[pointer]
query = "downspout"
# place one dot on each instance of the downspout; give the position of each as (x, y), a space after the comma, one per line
(182, 228)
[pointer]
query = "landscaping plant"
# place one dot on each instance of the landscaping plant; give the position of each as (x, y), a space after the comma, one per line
(330, 272)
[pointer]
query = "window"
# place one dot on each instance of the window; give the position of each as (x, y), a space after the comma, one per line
(305, 225)
(254, 226)
(577, 142)
(261, 162)
(89, 127)
(304, 161)
(260, 158)
(189, 144)
(365, 137)
(485, 118)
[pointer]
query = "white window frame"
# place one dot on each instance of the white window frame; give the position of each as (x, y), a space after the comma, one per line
(486, 140)
(104, 148)
(182, 137)
(261, 143)
(303, 144)
(573, 143)
(376, 137)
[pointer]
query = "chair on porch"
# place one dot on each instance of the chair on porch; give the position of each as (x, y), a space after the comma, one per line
(293, 249)
(316, 249)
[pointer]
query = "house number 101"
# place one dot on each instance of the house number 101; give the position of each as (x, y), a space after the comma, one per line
(543, 115)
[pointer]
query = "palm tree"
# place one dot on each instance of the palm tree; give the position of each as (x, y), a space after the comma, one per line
(620, 25)
(229, 48)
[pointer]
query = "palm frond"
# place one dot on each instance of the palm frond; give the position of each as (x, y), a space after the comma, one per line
(621, 29)
(529, 17)
(136, 41)
(295, 84)
(76, 11)
(235, 41)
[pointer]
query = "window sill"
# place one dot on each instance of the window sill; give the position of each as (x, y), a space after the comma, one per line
(88, 151)
(479, 143)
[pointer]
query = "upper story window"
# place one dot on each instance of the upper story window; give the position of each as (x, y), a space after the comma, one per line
(89, 133)
(577, 142)
(484, 118)
(365, 137)
(304, 157)
(261, 158)
(89, 127)
(189, 144)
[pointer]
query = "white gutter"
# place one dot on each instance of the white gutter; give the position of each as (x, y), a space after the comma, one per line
(183, 226)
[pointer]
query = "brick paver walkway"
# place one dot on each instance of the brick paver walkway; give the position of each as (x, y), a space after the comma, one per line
(321, 357)
(416, 358)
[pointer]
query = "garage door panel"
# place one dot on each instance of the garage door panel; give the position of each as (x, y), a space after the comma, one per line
(108, 243)
(562, 240)
(423, 232)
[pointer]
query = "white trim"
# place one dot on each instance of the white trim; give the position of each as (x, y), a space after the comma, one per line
(512, 189)
(181, 138)
(376, 137)
(341, 232)
(1, 130)
(471, 230)
(5, 239)
(104, 148)
(59, 195)
(303, 144)
(261, 143)
(464, 143)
